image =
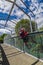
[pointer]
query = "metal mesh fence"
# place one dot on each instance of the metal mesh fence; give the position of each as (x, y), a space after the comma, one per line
(35, 43)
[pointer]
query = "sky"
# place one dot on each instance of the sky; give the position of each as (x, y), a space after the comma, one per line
(35, 5)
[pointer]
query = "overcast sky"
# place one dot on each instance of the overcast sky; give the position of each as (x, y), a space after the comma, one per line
(35, 5)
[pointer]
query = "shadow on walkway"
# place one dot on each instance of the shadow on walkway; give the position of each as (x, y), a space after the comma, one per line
(35, 62)
(4, 58)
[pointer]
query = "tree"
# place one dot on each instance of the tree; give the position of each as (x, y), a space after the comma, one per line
(39, 45)
(26, 24)
(2, 38)
(41, 29)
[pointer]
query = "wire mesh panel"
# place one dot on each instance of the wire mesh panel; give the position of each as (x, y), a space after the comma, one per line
(35, 41)
(19, 43)
(9, 40)
(35, 44)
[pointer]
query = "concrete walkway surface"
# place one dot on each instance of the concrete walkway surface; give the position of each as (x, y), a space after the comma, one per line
(16, 57)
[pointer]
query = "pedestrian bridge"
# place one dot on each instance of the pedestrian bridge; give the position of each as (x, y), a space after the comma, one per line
(13, 51)
(12, 56)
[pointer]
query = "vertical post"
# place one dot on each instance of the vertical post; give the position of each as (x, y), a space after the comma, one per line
(24, 47)
(35, 24)
(10, 13)
(15, 42)
(31, 25)
(38, 54)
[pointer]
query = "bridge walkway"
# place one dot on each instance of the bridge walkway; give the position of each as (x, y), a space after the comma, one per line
(12, 56)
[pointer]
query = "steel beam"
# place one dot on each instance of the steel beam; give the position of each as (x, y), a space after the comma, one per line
(9, 12)
(23, 12)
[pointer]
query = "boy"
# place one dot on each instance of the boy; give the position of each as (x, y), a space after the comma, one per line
(24, 35)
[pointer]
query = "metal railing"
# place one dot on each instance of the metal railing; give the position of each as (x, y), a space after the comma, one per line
(35, 43)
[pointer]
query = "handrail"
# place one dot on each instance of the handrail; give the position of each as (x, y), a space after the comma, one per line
(33, 33)
(35, 43)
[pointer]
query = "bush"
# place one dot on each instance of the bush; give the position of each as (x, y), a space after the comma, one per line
(2, 38)
(26, 24)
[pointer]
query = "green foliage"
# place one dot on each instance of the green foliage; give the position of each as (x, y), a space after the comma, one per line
(2, 38)
(41, 29)
(26, 24)
(33, 25)
(39, 47)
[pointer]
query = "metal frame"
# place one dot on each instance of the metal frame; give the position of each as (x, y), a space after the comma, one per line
(30, 34)
(12, 21)
(9, 13)
(22, 11)
(5, 26)
(13, 3)
(29, 9)
(9, 30)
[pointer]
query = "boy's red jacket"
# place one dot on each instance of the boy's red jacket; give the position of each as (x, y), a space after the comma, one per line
(23, 34)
